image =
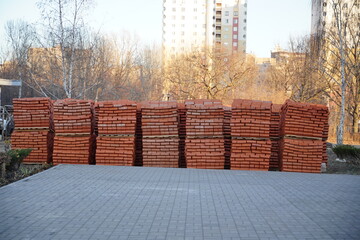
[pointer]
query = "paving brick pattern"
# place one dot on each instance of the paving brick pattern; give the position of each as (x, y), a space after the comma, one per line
(115, 202)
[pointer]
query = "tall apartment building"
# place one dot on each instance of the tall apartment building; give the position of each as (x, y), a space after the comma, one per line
(197, 24)
(323, 17)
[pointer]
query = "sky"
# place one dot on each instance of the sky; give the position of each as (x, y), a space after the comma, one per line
(270, 22)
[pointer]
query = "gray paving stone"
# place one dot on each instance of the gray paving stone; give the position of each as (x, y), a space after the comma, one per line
(104, 202)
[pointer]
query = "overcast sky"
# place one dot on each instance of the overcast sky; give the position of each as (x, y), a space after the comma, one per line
(270, 23)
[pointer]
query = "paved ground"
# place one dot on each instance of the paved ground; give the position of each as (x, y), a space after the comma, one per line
(102, 202)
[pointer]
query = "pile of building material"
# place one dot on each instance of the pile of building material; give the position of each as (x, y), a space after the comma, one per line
(138, 138)
(204, 145)
(275, 137)
(34, 128)
(302, 129)
(74, 125)
(250, 131)
(160, 136)
(324, 139)
(182, 134)
(116, 133)
(227, 135)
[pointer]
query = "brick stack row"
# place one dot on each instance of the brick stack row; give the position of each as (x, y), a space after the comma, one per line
(302, 128)
(227, 135)
(75, 140)
(34, 128)
(275, 137)
(116, 133)
(204, 144)
(182, 134)
(250, 130)
(324, 139)
(160, 136)
(138, 138)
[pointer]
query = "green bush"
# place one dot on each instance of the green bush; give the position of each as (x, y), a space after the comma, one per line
(347, 152)
(16, 158)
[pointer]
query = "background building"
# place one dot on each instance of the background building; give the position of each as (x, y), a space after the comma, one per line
(190, 25)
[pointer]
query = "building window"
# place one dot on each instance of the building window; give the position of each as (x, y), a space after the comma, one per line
(226, 13)
(235, 20)
(183, 17)
(235, 44)
(226, 29)
(226, 20)
(244, 36)
(236, 13)
(194, 33)
(174, 9)
(195, 9)
(182, 33)
(245, 20)
(235, 36)
(324, 14)
(235, 29)
(173, 17)
(226, 36)
(226, 43)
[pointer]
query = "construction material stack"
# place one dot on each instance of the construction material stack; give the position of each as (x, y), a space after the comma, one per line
(34, 128)
(324, 139)
(250, 130)
(160, 136)
(302, 130)
(275, 137)
(138, 138)
(116, 137)
(227, 135)
(204, 144)
(182, 134)
(74, 141)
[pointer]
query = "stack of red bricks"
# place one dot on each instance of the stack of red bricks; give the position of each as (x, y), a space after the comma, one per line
(275, 137)
(227, 135)
(250, 130)
(160, 134)
(138, 138)
(204, 145)
(74, 141)
(302, 128)
(182, 134)
(324, 139)
(116, 137)
(33, 128)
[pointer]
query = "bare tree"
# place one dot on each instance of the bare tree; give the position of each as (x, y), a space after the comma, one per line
(20, 38)
(65, 29)
(207, 74)
(339, 61)
(294, 73)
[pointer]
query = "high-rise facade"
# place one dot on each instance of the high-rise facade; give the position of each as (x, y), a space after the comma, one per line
(190, 25)
(323, 14)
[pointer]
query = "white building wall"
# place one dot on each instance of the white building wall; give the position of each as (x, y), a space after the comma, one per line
(191, 24)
